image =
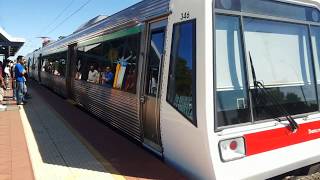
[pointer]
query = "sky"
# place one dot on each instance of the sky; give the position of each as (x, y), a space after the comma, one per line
(30, 19)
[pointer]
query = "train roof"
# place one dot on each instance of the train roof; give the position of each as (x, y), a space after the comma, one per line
(131, 16)
(314, 3)
(91, 22)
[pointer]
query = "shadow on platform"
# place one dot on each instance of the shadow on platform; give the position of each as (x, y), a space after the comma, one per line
(57, 148)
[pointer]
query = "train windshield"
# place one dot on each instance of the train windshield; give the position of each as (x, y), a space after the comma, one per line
(284, 56)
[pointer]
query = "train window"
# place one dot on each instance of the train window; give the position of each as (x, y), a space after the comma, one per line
(125, 63)
(315, 37)
(231, 92)
(88, 67)
(112, 64)
(181, 92)
(79, 66)
(154, 61)
(62, 59)
(281, 59)
(55, 64)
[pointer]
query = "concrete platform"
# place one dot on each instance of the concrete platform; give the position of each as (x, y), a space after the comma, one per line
(55, 152)
(49, 138)
(65, 142)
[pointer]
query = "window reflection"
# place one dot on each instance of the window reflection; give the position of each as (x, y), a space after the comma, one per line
(232, 100)
(111, 64)
(315, 37)
(55, 64)
(181, 92)
(155, 56)
(282, 60)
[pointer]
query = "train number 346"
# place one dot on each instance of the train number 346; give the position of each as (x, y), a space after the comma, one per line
(185, 16)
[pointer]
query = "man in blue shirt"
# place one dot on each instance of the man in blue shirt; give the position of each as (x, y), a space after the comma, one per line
(20, 80)
(107, 78)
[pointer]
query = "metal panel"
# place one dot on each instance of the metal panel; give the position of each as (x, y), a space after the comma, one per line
(136, 14)
(55, 83)
(118, 108)
(70, 69)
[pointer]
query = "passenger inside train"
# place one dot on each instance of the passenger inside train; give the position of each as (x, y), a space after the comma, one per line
(111, 64)
(107, 77)
(93, 75)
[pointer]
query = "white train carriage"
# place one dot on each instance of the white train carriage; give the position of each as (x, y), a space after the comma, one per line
(225, 89)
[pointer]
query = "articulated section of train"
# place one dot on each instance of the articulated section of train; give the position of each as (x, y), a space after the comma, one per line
(225, 89)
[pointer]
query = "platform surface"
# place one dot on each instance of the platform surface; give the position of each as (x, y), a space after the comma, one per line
(14, 155)
(61, 141)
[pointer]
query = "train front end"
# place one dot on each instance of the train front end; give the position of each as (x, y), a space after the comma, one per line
(266, 83)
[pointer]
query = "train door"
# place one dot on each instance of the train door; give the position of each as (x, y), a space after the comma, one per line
(150, 99)
(71, 65)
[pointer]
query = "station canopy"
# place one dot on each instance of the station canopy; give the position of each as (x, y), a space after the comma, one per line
(9, 45)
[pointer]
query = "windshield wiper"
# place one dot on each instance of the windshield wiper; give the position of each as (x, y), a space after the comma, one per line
(270, 97)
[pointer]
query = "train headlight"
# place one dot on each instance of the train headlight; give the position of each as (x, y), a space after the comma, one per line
(232, 149)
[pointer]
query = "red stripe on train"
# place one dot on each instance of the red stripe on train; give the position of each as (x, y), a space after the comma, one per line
(277, 138)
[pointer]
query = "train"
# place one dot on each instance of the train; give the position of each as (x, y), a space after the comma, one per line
(220, 89)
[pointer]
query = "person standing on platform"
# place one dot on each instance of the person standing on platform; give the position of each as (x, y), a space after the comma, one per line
(13, 79)
(26, 95)
(20, 80)
(2, 87)
(7, 75)
(1, 69)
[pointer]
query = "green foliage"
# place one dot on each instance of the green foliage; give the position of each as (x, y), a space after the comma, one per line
(183, 78)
